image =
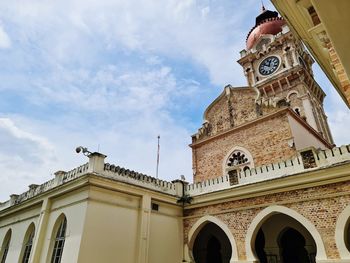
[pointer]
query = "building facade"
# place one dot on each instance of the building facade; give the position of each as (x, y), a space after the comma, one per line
(320, 24)
(269, 184)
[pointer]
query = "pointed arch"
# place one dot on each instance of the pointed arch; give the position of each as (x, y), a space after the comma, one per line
(5, 246)
(195, 229)
(341, 228)
(237, 148)
(265, 214)
(58, 238)
(27, 243)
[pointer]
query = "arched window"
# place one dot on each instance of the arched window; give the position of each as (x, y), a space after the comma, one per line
(6, 246)
(238, 159)
(59, 241)
(28, 243)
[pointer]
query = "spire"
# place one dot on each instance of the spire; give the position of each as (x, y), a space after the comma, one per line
(263, 9)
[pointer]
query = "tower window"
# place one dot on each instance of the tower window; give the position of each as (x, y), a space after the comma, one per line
(237, 158)
(314, 16)
(297, 111)
(282, 103)
(264, 41)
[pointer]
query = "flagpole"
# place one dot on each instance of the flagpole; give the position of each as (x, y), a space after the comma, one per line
(158, 150)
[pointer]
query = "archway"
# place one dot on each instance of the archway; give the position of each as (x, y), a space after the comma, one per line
(347, 235)
(342, 233)
(210, 228)
(275, 223)
(292, 245)
(212, 245)
(285, 240)
(260, 246)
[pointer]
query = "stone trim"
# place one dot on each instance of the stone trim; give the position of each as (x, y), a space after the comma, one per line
(340, 229)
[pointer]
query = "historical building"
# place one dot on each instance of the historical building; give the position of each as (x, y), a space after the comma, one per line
(321, 25)
(269, 184)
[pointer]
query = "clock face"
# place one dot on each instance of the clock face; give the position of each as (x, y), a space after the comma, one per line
(269, 65)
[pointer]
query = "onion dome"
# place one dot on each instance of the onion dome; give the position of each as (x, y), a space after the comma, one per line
(267, 23)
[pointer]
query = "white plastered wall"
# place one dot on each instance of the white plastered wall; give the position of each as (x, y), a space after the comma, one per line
(19, 224)
(302, 137)
(110, 231)
(73, 207)
(166, 235)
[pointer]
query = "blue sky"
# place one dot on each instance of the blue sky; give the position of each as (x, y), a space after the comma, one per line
(112, 75)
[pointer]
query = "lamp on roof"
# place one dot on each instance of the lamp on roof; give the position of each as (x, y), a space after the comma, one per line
(83, 150)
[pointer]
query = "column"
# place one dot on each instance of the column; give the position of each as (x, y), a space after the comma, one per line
(39, 238)
(145, 218)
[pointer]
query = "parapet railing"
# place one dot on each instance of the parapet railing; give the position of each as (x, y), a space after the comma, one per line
(128, 176)
(34, 190)
(109, 171)
(306, 160)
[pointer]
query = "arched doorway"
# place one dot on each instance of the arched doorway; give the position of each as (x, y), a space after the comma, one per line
(260, 246)
(347, 235)
(292, 245)
(283, 239)
(342, 234)
(211, 245)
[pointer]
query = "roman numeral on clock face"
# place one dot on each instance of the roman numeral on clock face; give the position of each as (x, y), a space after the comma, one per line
(269, 65)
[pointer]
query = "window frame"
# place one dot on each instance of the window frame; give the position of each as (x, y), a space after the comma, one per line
(58, 242)
(5, 246)
(28, 244)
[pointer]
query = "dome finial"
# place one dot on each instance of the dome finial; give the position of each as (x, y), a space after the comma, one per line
(263, 9)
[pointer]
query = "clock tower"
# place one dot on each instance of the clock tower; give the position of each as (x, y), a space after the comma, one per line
(278, 68)
(275, 117)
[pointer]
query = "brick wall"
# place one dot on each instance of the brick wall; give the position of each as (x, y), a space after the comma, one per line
(320, 205)
(265, 140)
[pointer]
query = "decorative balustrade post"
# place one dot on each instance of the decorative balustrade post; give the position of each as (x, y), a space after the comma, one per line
(96, 162)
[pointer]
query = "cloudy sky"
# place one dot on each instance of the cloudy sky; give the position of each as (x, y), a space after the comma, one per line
(112, 75)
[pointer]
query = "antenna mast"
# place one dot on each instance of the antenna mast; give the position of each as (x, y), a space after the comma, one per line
(158, 151)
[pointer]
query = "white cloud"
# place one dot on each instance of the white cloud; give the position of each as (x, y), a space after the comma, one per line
(5, 41)
(120, 112)
(74, 30)
(205, 11)
(23, 156)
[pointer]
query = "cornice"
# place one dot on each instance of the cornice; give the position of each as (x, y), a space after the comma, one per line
(329, 175)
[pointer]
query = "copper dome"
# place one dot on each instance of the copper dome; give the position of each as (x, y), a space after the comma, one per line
(267, 23)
